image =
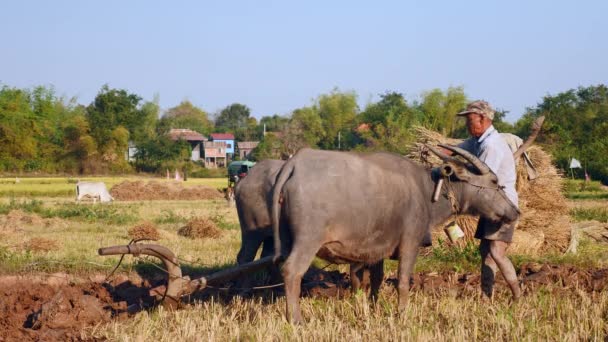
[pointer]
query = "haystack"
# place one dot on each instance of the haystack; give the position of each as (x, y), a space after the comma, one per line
(200, 227)
(544, 225)
(138, 190)
(145, 230)
(38, 244)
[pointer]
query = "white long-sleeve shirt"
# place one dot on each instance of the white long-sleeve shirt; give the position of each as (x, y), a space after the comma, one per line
(493, 150)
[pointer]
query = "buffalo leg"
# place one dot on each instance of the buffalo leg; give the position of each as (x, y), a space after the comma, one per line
(376, 272)
(250, 243)
(407, 259)
(268, 250)
(359, 277)
(294, 268)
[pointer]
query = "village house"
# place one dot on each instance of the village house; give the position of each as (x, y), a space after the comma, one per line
(194, 138)
(228, 139)
(214, 153)
(244, 148)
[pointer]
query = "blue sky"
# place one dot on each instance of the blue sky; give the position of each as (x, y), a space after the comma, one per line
(276, 56)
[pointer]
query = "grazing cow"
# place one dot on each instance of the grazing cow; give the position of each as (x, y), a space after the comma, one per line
(93, 190)
(253, 196)
(359, 208)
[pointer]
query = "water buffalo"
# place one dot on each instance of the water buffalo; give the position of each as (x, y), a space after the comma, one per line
(359, 208)
(253, 196)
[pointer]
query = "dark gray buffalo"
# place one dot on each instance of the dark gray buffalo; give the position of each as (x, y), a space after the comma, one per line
(253, 196)
(360, 208)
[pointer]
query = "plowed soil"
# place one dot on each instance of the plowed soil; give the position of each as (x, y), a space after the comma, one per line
(61, 308)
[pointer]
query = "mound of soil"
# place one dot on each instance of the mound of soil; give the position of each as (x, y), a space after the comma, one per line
(145, 230)
(138, 190)
(199, 228)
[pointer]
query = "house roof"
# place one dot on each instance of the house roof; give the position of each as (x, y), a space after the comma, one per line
(222, 136)
(185, 134)
(247, 144)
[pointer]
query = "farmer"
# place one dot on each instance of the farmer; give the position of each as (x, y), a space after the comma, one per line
(488, 145)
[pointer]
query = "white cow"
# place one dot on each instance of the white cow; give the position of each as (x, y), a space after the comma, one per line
(93, 190)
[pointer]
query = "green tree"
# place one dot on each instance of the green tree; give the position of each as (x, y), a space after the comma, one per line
(386, 124)
(112, 108)
(337, 111)
(274, 123)
(576, 125)
(270, 147)
(186, 115)
(307, 121)
(439, 109)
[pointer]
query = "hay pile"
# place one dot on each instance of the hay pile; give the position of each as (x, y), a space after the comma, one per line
(37, 244)
(138, 190)
(16, 218)
(200, 227)
(145, 230)
(544, 224)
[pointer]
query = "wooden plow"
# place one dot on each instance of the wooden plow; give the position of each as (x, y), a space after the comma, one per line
(177, 284)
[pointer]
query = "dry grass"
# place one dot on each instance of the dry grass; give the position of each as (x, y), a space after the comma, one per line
(38, 244)
(139, 190)
(200, 228)
(440, 317)
(145, 230)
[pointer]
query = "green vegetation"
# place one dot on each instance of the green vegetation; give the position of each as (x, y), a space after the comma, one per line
(40, 132)
(66, 187)
(586, 214)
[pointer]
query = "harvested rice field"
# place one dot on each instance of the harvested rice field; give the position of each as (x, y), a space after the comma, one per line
(54, 285)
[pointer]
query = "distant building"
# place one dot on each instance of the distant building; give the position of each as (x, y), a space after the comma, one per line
(245, 147)
(214, 153)
(194, 138)
(228, 138)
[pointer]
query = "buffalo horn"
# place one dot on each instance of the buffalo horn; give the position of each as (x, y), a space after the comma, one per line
(440, 154)
(483, 168)
(535, 129)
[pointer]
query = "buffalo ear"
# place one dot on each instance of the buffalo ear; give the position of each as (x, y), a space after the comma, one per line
(460, 171)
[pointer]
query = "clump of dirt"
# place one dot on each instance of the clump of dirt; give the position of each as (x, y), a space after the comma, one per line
(199, 228)
(139, 190)
(36, 310)
(145, 230)
(38, 244)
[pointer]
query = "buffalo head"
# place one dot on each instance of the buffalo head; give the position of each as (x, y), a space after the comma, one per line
(472, 187)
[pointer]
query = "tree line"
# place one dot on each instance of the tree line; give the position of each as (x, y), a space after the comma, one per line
(41, 132)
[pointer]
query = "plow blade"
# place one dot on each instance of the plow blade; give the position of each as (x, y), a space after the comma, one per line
(178, 285)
